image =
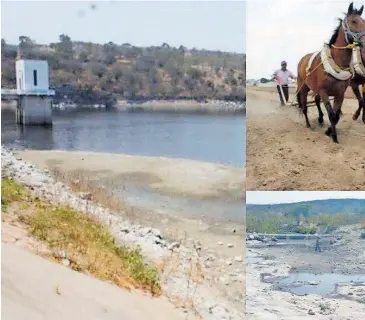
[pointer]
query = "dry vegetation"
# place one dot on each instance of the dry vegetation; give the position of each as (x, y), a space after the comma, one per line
(103, 73)
(87, 245)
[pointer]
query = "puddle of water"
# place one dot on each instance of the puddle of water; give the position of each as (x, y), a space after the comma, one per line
(322, 284)
(253, 258)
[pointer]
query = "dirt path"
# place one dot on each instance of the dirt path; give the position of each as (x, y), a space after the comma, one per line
(282, 154)
(67, 294)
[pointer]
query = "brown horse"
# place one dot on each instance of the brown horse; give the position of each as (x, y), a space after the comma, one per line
(328, 73)
(356, 82)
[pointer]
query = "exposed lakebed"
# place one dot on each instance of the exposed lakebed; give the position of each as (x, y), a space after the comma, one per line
(334, 285)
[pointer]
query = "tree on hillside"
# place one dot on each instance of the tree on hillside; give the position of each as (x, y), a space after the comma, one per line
(136, 72)
(300, 210)
(26, 45)
(64, 47)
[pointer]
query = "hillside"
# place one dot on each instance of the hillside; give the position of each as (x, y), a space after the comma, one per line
(111, 71)
(305, 217)
(331, 206)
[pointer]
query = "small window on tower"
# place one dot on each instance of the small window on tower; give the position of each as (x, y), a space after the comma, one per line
(35, 78)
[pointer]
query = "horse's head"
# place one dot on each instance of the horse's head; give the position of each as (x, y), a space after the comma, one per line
(354, 26)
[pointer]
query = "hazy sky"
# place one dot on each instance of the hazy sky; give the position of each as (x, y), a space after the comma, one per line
(287, 30)
(201, 24)
(269, 197)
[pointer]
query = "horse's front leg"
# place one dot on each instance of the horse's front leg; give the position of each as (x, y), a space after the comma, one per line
(331, 131)
(317, 100)
(361, 99)
(337, 104)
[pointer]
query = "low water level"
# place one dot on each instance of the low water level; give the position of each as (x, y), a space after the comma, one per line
(202, 137)
(209, 209)
(302, 283)
(322, 284)
(211, 138)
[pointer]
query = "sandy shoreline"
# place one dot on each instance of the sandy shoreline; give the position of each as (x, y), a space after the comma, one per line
(166, 175)
(221, 293)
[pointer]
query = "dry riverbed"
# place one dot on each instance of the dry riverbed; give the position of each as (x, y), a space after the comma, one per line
(342, 256)
(203, 264)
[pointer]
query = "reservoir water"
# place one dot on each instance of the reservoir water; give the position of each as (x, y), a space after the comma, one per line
(202, 137)
(212, 138)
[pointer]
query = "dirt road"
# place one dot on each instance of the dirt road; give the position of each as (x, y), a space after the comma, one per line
(282, 154)
(66, 294)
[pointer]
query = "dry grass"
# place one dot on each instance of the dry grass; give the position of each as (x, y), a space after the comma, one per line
(80, 182)
(169, 267)
(87, 245)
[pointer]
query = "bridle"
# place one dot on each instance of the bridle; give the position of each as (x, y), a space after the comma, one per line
(356, 36)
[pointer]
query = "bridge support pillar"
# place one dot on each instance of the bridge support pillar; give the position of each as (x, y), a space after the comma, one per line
(34, 110)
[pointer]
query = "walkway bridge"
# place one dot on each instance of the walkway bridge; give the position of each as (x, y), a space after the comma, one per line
(14, 94)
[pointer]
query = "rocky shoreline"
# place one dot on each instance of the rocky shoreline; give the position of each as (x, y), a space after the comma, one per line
(209, 106)
(264, 302)
(183, 106)
(179, 284)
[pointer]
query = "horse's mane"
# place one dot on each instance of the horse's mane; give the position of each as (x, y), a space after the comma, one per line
(337, 30)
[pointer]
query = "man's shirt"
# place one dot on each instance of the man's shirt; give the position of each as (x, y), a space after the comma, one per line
(282, 77)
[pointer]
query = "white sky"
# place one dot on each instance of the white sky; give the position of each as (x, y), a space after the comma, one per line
(287, 30)
(270, 197)
(215, 25)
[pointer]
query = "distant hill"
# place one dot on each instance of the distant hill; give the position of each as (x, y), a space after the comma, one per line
(124, 71)
(331, 206)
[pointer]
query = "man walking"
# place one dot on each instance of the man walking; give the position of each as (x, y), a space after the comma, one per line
(281, 77)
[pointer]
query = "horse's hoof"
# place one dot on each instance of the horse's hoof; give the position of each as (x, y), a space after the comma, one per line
(335, 140)
(355, 117)
(328, 131)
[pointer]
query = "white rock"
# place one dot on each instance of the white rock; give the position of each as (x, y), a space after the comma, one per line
(66, 262)
(238, 259)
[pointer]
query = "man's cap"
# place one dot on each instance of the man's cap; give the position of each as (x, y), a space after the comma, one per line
(283, 62)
